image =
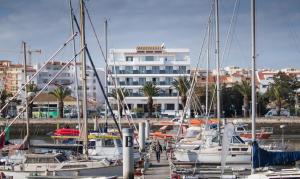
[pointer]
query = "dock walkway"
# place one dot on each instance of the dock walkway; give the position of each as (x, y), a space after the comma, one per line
(158, 170)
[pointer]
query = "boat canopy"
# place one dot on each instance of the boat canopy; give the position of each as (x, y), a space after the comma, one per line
(263, 158)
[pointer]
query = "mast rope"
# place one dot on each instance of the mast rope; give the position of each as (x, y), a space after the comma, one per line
(194, 76)
(36, 95)
(36, 73)
(114, 81)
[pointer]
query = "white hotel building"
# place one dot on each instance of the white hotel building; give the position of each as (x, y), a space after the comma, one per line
(134, 67)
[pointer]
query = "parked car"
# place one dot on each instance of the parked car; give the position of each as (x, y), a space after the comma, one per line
(273, 112)
(70, 115)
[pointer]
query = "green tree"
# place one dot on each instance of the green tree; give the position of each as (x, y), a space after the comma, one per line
(245, 90)
(262, 102)
(282, 91)
(32, 89)
(231, 101)
(200, 92)
(61, 93)
(122, 93)
(182, 85)
(150, 90)
(277, 95)
(4, 95)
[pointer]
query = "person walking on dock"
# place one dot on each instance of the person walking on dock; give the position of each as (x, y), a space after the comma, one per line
(158, 150)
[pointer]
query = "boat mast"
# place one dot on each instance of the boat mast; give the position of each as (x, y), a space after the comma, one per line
(218, 63)
(75, 70)
(83, 75)
(106, 75)
(207, 69)
(25, 96)
(253, 89)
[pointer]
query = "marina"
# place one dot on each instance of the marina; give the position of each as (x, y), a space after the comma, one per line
(90, 109)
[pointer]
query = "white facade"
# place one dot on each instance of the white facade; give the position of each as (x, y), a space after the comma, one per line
(265, 77)
(67, 78)
(132, 68)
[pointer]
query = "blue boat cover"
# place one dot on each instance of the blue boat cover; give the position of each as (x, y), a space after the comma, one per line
(263, 158)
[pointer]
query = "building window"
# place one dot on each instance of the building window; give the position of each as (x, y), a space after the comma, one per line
(169, 80)
(142, 69)
(169, 69)
(180, 107)
(129, 59)
(116, 70)
(155, 81)
(182, 69)
(149, 58)
(155, 69)
(142, 81)
(129, 81)
(130, 106)
(128, 69)
(169, 106)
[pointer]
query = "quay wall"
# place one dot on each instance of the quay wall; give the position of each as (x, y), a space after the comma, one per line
(45, 126)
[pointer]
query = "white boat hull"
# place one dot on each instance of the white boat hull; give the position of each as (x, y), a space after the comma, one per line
(97, 171)
(207, 157)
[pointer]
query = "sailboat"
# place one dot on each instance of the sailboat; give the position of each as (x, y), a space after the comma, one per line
(56, 164)
(261, 157)
(210, 149)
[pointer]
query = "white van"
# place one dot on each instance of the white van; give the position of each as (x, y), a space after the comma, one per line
(273, 112)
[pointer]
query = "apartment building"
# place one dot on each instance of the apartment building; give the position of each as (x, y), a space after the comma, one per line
(14, 77)
(4, 64)
(229, 76)
(67, 79)
(265, 77)
(132, 68)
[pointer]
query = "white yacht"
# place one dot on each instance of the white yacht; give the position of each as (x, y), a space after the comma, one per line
(56, 164)
(196, 136)
(210, 152)
(103, 146)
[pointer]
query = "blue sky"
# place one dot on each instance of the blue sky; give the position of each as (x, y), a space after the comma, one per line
(45, 25)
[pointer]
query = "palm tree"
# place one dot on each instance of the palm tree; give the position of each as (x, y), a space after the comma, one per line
(282, 91)
(150, 90)
(182, 85)
(245, 89)
(4, 95)
(61, 93)
(33, 89)
(120, 93)
(276, 94)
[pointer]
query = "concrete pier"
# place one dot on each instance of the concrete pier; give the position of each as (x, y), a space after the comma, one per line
(158, 169)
